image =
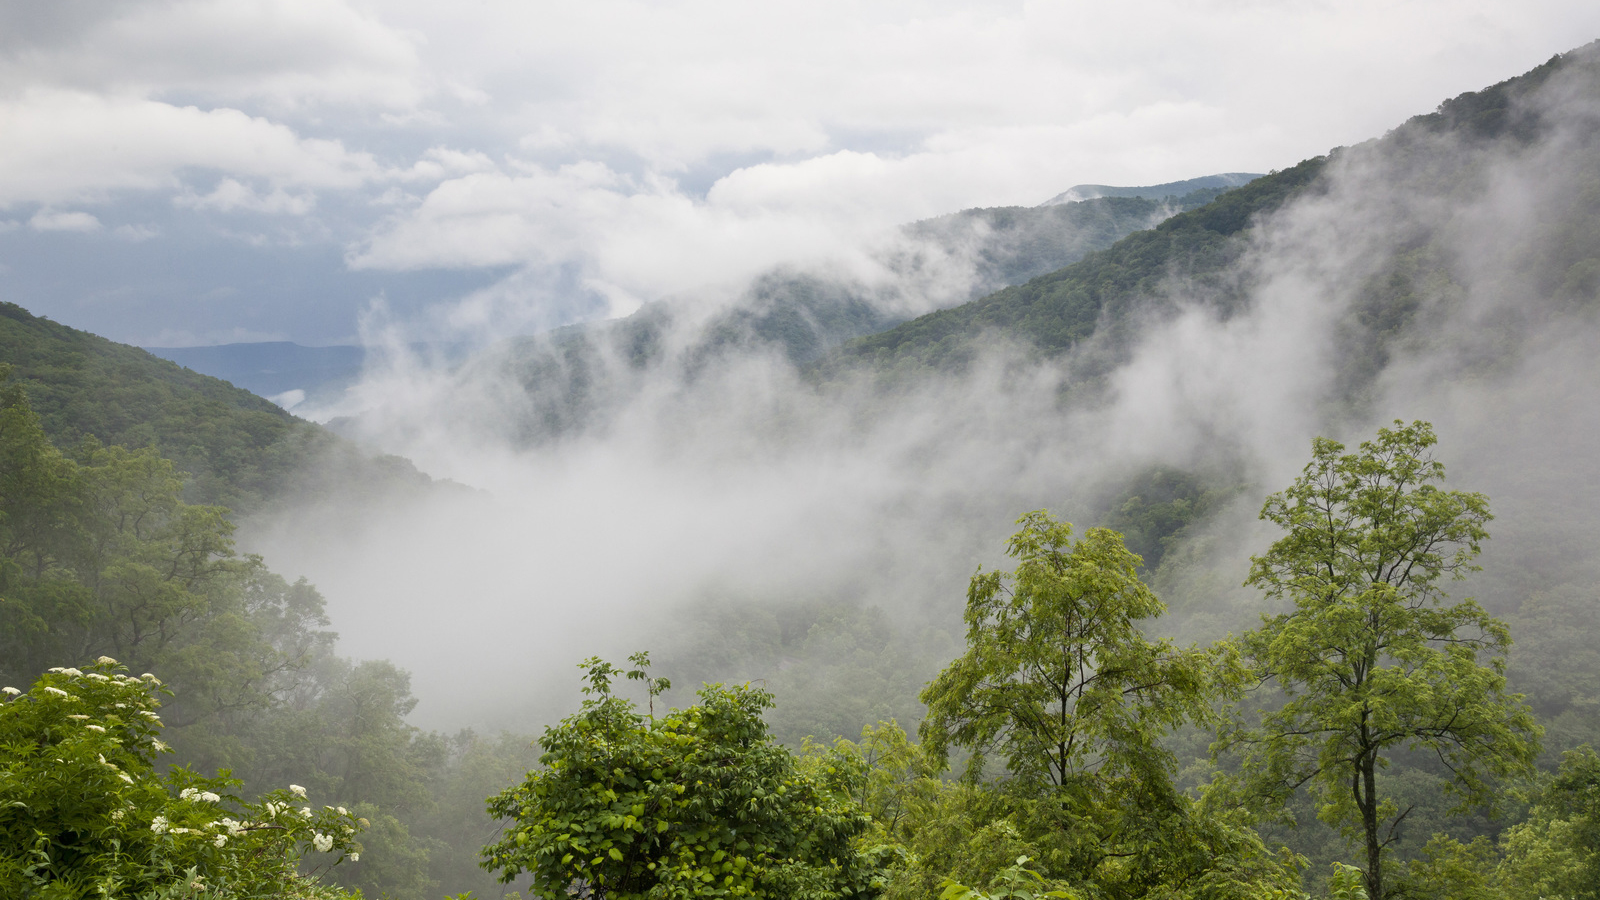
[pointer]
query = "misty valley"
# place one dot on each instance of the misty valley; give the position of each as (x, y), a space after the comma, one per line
(1229, 538)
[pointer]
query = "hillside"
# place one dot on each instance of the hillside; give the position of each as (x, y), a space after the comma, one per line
(1100, 295)
(237, 449)
(578, 378)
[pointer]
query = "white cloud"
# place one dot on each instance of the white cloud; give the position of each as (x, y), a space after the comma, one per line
(51, 220)
(136, 234)
(74, 146)
(231, 195)
(281, 52)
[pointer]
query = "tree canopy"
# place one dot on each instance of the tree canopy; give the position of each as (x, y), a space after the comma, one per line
(1371, 657)
(696, 803)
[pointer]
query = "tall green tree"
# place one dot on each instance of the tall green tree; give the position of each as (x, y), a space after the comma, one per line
(1060, 680)
(1372, 657)
(1058, 677)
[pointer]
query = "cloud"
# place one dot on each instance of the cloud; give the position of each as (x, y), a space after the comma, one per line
(51, 220)
(741, 478)
(231, 195)
(78, 147)
(284, 53)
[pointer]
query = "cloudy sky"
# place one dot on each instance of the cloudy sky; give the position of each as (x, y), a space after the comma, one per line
(178, 172)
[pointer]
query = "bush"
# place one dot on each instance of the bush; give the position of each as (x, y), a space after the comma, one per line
(85, 813)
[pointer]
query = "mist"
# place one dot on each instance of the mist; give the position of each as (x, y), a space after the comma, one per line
(744, 475)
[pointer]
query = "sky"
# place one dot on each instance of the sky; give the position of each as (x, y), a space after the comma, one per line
(191, 172)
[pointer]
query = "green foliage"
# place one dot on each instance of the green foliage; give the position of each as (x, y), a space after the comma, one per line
(83, 812)
(698, 802)
(99, 555)
(1017, 882)
(1556, 851)
(1371, 658)
(1157, 507)
(231, 447)
(1057, 675)
(1059, 679)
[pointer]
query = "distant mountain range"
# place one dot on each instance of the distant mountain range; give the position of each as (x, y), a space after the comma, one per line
(1080, 192)
(273, 369)
(805, 314)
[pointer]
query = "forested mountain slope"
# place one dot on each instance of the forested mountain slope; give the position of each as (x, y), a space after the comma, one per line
(578, 378)
(236, 449)
(1187, 258)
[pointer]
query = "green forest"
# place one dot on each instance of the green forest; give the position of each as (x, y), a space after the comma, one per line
(178, 720)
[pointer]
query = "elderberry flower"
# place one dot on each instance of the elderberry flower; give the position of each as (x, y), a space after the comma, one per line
(10, 691)
(160, 825)
(56, 690)
(106, 661)
(186, 793)
(297, 790)
(95, 728)
(221, 839)
(355, 857)
(322, 842)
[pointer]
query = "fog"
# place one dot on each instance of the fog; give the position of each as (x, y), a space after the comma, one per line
(742, 475)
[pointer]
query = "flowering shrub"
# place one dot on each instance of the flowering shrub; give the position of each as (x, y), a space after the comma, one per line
(83, 812)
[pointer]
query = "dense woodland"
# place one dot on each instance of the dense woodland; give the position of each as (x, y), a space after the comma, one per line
(1374, 733)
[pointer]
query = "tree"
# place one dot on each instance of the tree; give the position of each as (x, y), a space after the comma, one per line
(696, 803)
(1059, 678)
(1371, 657)
(1555, 852)
(1057, 675)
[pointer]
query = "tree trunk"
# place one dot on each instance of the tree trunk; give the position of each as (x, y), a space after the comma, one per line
(1367, 772)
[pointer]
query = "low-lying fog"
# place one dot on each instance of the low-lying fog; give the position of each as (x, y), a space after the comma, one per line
(745, 479)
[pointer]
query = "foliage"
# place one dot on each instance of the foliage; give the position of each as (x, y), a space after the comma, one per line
(83, 812)
(698, 802)
(1018, 882)
(1371, 659)
(1057, 675)
(1059, 679)
(1556, 851)
(99, 555)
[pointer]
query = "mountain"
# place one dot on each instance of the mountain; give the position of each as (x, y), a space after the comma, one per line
(238, 449)
(1106, 299)
(578, 377)
(273, 368)
(1155, 191)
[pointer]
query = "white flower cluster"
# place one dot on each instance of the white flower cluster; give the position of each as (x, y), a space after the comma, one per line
(297, 790)
(202, 796)
(322, 842)
(10, 691)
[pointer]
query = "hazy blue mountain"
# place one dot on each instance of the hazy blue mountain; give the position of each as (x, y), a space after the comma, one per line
(271, 368)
